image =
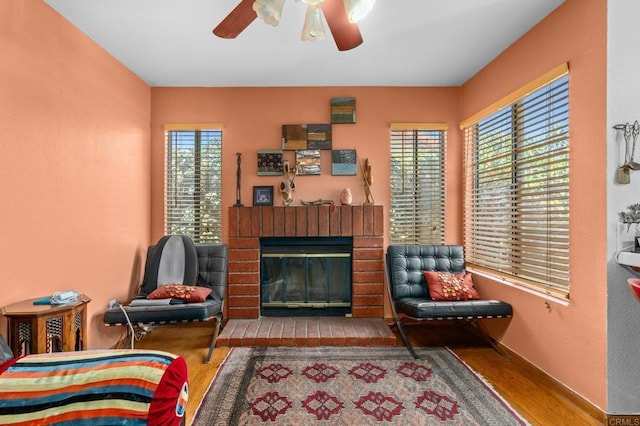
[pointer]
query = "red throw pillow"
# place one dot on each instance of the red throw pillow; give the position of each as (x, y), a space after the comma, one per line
(450, 286)
(188, 293)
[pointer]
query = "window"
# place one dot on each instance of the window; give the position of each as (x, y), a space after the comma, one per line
(517, 188)
(417, 183)
(193, 173)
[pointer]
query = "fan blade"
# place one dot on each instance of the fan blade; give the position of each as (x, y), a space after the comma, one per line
(346, 35)
(237, 20)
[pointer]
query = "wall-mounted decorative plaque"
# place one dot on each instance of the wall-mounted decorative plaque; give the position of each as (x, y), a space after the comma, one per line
(269, 162)
(308, 162)
(319, 136)
(344, 162)
(343, 110)
(294, 136)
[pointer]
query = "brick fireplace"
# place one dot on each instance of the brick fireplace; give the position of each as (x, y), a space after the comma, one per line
(363, 223)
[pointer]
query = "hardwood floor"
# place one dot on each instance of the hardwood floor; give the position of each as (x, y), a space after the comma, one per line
(535, 395)
(540, 399)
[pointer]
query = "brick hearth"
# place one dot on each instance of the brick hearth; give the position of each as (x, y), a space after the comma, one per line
(365, 224)
(307, 331)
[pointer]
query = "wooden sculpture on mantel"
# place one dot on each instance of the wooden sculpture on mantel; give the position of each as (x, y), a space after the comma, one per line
(367, 178)
(238, 180)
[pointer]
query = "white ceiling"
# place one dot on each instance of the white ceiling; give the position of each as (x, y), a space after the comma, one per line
(406, 42)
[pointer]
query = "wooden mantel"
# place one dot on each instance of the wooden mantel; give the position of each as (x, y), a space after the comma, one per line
(364, 223)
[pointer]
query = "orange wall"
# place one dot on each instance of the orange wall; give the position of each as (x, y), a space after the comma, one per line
(253, 119)
(74, 181)
(568, 342)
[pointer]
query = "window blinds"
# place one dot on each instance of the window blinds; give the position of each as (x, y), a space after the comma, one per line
(193, 184)
(517, 190)
(417, 184)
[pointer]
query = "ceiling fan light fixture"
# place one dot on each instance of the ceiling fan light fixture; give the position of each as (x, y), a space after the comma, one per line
(313, 28)
(269, 10)
(358, 9)
(334, 12)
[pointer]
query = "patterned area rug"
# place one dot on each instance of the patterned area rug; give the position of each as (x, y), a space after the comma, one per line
(350, 386)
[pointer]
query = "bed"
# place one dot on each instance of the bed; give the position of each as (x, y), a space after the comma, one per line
(99, 387)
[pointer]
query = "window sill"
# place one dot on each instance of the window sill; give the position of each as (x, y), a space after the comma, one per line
(546, 297)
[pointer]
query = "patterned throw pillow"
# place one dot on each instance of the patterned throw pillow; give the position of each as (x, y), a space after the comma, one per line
(450, 286)
(188, 293)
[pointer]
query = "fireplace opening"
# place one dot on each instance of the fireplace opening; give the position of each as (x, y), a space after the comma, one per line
(309, 276)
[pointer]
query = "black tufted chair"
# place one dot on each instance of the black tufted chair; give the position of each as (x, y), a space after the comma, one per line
(176, 259)
(409, 294)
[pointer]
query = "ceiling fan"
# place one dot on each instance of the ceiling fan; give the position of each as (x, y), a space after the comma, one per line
(341, 16)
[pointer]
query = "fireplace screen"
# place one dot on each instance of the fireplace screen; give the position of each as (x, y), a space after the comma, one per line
(305, 276)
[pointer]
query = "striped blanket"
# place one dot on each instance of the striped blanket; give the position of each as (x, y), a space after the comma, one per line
(103, 387)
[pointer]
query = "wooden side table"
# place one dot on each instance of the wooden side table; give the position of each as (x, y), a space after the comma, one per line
(47, 328)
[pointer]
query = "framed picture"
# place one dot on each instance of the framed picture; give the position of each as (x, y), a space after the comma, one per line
(263, 195)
